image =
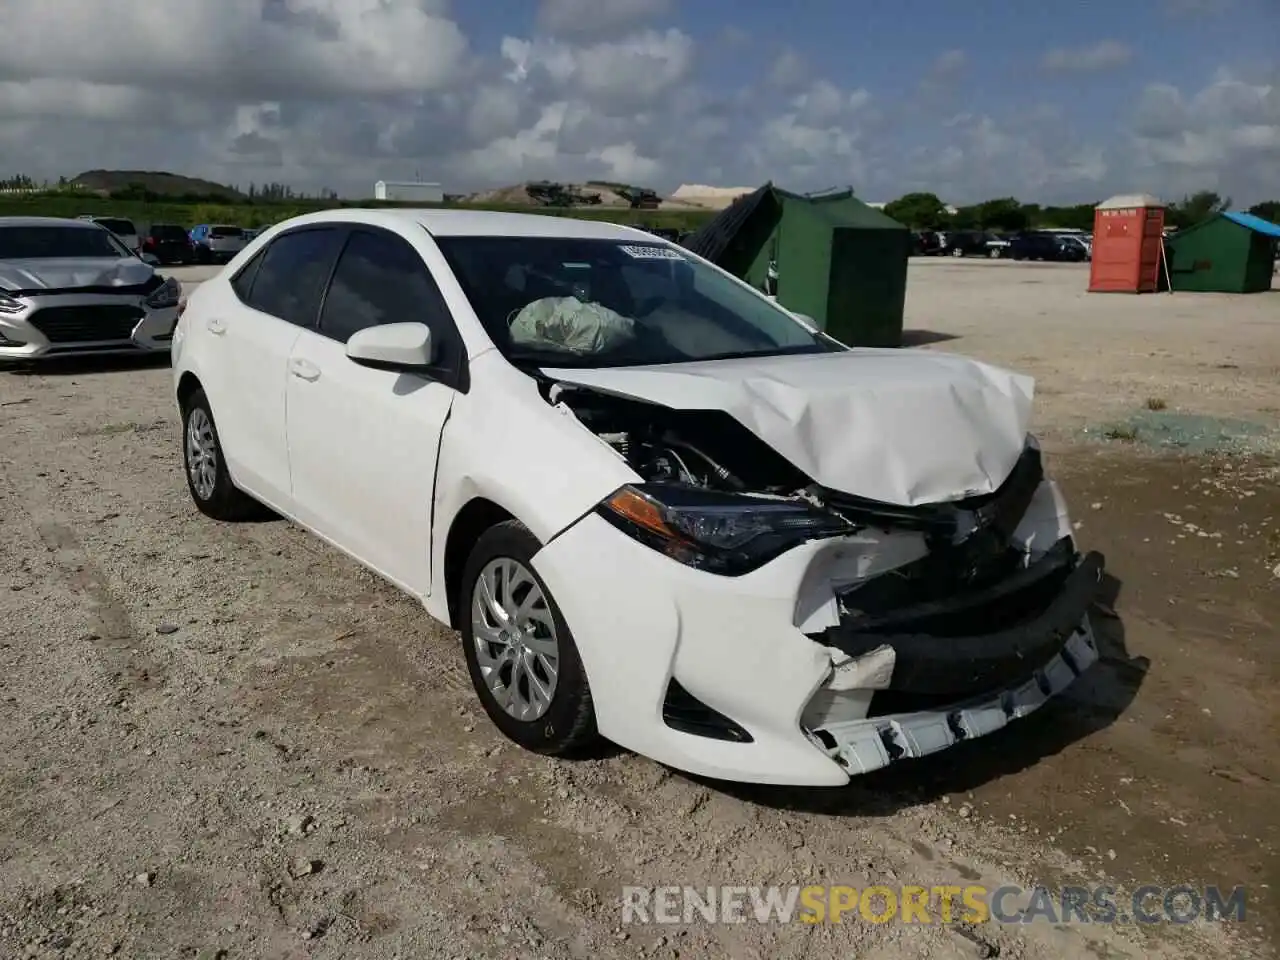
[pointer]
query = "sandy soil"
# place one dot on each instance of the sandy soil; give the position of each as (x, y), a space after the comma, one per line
(229, 741)
(1099, 357)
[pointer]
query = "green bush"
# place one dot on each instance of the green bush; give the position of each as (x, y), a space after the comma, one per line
(265, 214)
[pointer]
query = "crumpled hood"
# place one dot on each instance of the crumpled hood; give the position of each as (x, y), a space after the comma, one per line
(903, 427)
(59, 274)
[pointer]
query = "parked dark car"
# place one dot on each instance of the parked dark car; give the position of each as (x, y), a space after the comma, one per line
(169, 243)
(1045, 246)
(969, 243)
(925, 243)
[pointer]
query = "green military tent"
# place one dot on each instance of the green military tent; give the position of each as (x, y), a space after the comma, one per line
(1228, 253)
(830, 257)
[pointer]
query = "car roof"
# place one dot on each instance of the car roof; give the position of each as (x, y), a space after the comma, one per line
(48, 222)
(478, 223)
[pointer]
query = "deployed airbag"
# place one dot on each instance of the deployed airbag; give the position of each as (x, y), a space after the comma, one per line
(570, 325)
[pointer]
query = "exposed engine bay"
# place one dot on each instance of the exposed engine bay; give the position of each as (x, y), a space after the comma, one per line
(710, 450)
(707, 449)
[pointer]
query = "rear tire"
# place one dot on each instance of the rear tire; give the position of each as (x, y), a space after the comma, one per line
(525, 666)
(206, 468)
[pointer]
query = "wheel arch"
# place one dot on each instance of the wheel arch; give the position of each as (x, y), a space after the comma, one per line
(188, 384)
(476, 516)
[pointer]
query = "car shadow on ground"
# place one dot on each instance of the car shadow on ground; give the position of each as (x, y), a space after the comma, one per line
(81, 366)
(920, 338)
(1094, 702)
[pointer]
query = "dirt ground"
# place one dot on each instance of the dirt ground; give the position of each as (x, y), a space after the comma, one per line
(229, 741)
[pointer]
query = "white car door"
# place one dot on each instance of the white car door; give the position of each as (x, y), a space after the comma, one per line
(248, 338)
(363, 442)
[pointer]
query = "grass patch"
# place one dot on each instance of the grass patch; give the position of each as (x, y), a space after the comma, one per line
(1156, 403)
(1124, 433)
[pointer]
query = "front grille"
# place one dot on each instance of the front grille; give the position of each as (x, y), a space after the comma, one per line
(89, 324)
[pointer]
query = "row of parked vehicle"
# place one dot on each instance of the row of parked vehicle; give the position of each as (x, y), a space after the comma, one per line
(1053, 245)
(172, 243)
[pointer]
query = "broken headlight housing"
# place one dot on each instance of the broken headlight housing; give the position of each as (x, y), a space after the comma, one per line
(166, 295)
(721, 533)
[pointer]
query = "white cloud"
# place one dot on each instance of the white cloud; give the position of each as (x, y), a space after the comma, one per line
(616, 74)
(789, 69)
(1226, 137)
(597, 18)
(1103, 55)
(949, 63)
(233, 48)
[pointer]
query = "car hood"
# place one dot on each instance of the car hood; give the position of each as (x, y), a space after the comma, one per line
(903, 427)
(62, 274)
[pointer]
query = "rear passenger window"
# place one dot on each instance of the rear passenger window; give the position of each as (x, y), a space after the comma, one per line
(292, 275)
(242, 282)
(381, 279)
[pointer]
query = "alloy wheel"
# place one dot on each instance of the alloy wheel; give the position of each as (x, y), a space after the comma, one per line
(202, 454)
(515, 639)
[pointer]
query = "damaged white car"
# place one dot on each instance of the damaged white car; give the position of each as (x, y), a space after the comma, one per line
(659, 508)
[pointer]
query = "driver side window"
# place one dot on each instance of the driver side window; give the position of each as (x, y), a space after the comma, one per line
(380, 279)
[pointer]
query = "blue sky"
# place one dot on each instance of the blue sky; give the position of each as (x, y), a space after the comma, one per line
(1086, 65)
(970, 99)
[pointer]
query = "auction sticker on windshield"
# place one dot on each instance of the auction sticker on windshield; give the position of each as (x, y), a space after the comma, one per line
(651, 253)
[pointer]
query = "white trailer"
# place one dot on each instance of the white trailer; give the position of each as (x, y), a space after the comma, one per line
(408, 191)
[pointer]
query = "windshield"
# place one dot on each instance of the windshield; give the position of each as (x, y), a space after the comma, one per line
(607, 303)
(116, 225)
(41, 243)
(226, 232)
(168, 231)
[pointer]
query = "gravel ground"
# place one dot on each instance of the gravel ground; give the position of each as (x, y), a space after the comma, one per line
(229, 741)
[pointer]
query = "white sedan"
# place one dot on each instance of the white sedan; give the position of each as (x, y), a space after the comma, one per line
(658, 507)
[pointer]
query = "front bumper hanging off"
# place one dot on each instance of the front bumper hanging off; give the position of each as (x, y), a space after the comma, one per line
(948, 685)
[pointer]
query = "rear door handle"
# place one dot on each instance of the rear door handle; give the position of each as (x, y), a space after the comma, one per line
(216, 325)
(304, 370)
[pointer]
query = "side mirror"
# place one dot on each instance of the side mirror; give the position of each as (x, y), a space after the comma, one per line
(150, 259)
(393, 346)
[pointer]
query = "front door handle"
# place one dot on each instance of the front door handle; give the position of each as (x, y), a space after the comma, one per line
(217, 326)
(304, 370)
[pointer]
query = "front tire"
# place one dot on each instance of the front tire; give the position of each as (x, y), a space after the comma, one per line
(522, 658)
(206, 468)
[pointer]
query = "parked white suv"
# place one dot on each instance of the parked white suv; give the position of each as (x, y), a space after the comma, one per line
(122, 228)
(658, 507)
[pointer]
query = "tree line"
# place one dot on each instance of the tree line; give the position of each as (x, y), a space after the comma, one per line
(920, 211)
(925, 211)
(266, 193)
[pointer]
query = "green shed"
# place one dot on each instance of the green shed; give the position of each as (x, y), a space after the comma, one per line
(831, 257)
(1228, 253)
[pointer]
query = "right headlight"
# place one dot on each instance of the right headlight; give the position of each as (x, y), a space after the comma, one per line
(166, 295)
(720, 533)
(10, 304)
